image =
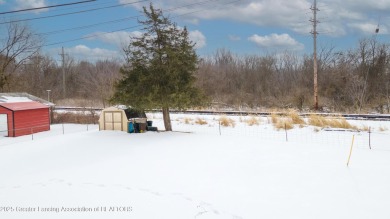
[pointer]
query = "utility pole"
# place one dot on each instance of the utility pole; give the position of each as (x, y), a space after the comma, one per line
(63, 73)
(314, 32)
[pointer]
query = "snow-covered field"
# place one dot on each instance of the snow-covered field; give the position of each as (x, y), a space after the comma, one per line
(203, 171)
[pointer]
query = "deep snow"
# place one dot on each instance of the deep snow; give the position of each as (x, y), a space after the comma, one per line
(246, 172)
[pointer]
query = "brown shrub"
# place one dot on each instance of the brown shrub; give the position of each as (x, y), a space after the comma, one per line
(274, 118)
(284, 123)
(295, 118)
(316, 120)
(187, 120)
(252, 121)
(338, 122)
(77, 118)
(200, 121)
(225, 121)
(364, 128)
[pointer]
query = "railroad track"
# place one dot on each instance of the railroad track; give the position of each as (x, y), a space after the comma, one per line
(379, 117)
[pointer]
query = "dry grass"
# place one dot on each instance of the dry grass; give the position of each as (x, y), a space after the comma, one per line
(225, 121)
(200, 121)
(295, 118)
(284, 123)
(274, 118)
(383, 128)
(316, 120)
(365, 128)
(338, 122)
(341, 123)
(252, 121)
(187, 120)
(280, 122)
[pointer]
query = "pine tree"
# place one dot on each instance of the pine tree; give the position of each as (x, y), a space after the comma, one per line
(160, 68)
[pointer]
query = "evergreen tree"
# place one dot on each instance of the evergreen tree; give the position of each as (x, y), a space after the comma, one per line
(160, 68)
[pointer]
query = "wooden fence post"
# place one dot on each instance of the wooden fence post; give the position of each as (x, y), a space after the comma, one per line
(350, 151)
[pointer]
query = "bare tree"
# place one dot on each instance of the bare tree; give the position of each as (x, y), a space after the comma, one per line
(37, 75)
(19, 44)
(98, 79)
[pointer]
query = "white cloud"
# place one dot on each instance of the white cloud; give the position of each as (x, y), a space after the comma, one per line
(259, 12)
(360, 5)
(82, 52)
(234, 38)
(368, 28)
(337, 17)
(119, 39)
(282, 41)
(123, 38)
(197, 37)
(24, 4)
(194, 21)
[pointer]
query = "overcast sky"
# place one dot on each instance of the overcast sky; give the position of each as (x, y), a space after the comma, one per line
(244, 27)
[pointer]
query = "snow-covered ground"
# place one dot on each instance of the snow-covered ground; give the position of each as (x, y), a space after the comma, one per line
(202, 171)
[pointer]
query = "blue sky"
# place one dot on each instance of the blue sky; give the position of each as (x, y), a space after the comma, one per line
(244, 27)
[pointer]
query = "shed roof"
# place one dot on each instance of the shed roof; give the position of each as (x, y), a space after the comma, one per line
(113, 108)
(22, 97)
(23, 106)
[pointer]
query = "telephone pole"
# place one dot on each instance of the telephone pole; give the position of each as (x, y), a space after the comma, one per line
(63, 73)
(314, 33)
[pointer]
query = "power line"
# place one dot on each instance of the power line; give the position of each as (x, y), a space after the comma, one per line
(136, 26)
(70, 8)
(84, 6)
(71, 13)
(125, 19)
(91, 36)
(88, 26)
(51, 6)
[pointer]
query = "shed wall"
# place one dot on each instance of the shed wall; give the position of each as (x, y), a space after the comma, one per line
(31, 121)
(113, 119)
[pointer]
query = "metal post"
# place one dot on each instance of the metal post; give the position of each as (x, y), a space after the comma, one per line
(219, 122)
(48, 95)
(369, 137)
(63, 130)
(285, 129)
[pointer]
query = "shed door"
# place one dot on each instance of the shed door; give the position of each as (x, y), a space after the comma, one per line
(113, 121)
(3, 125)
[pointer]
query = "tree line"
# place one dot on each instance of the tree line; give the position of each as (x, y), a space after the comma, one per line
(354, 80)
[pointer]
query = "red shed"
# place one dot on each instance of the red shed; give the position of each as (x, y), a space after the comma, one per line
(23, 118)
